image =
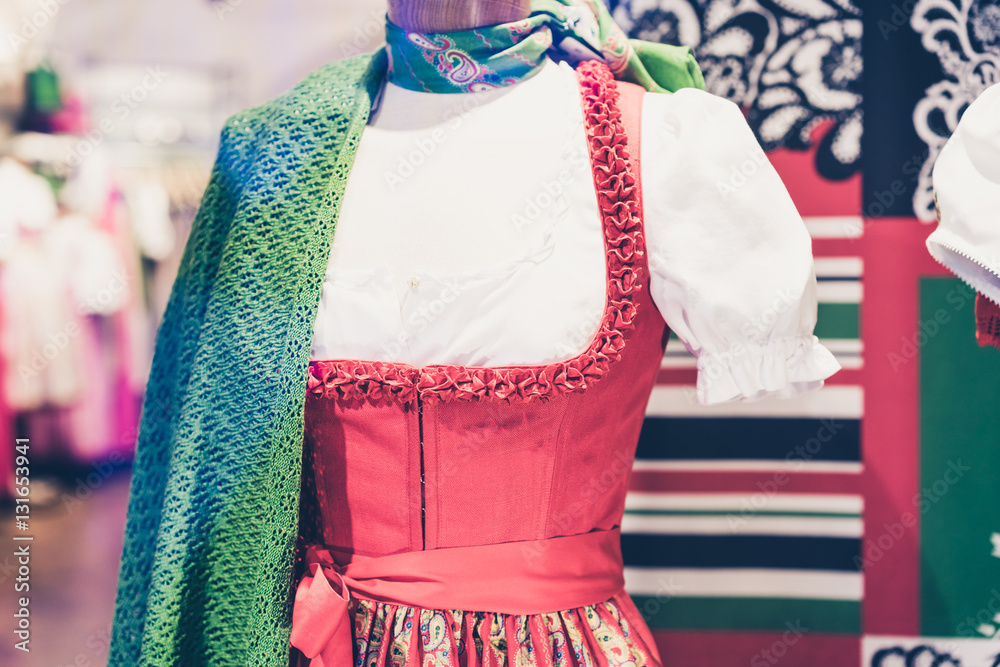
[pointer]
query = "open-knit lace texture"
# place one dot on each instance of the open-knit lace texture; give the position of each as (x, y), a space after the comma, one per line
(354, 380)
(207, 562)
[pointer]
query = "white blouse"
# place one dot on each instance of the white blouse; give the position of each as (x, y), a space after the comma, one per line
(470, 234)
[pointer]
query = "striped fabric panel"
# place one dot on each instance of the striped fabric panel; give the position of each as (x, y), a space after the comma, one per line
(759, 513)
(745, 517)
(749, 613)
(796, 643)
(959, 458)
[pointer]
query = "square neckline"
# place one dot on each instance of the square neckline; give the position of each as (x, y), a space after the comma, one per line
(617, 196)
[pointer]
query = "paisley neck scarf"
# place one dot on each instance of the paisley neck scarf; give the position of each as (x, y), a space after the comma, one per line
(467, 61)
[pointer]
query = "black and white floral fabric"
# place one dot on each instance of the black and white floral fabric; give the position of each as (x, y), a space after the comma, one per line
(794, 64)
(965, 37)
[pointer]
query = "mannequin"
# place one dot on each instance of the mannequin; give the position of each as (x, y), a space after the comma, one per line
(449, 15)
(339, 507)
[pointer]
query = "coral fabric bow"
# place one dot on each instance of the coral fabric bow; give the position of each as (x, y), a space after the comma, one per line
(321, 627)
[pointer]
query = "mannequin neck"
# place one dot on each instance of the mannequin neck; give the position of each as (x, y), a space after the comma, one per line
(452, 15)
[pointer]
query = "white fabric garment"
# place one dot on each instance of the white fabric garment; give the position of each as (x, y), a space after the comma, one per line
(26, 202)
(967, 191)
(470, 234)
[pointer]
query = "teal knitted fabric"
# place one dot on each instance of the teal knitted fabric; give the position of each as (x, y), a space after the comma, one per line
(208, 561)
(206, 567)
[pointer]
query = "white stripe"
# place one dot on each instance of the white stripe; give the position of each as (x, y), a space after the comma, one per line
(678, 360)
(838, 267)
(665, 583)
(683, 359)
(839, 291)
(735, 523)
(834, 227)
(852, 363)
(848, 352)
(843, 345)
(833, 402)
(796, 465)
(725, 502)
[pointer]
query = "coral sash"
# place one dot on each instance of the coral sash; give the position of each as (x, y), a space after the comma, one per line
(531, 577)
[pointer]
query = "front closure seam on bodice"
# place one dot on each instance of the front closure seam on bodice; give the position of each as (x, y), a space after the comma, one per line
(354, 380)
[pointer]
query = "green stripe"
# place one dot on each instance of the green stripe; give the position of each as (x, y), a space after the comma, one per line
(838, 320)
(840, 515)
(676, 613)
(960, 423)
(834, 320)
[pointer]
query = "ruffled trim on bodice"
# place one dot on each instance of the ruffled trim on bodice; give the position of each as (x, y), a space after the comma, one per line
(377, 381)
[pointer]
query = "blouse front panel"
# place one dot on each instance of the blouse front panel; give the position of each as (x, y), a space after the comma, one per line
(434, 262)
(484, 262)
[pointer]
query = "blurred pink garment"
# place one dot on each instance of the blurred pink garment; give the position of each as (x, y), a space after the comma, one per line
(106, 277)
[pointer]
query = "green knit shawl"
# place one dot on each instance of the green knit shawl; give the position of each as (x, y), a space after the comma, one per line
(207, 565)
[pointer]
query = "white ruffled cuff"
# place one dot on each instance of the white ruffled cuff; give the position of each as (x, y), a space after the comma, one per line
(749, 371)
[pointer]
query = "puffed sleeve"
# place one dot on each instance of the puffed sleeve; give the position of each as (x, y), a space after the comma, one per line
(731, 265)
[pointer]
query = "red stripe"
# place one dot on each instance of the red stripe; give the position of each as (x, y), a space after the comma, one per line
(895, 257)
(751, 481)
(836, 247)
(688, 377)
(723, 649)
